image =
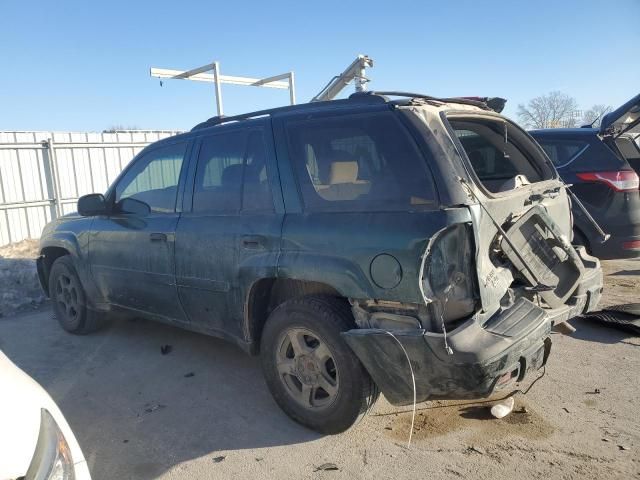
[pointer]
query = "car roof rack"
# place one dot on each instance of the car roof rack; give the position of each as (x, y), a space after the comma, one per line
(487, 103)
(370, 97)
(220, 119)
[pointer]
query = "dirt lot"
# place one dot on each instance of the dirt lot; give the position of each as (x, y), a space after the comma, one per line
(140, 414)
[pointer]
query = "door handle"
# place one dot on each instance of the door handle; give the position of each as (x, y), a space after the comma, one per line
(158, 237)
(253, 241)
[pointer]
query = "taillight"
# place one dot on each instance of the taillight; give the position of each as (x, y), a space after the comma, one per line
(450, 271)
(621, 181)
(632, 245)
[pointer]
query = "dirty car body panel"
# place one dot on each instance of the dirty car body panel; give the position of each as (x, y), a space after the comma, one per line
(378, 202)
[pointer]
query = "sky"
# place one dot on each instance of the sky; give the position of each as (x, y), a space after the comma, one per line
(84, 66)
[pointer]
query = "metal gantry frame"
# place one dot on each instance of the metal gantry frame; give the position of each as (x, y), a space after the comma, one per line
(285, 81)
(355, 72)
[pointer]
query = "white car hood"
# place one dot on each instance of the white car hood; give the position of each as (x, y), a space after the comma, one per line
(21, 399)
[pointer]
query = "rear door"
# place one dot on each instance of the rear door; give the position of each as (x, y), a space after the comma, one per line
(229, 233)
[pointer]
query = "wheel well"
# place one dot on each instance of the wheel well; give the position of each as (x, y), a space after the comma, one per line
(50, 255)
(265, 296)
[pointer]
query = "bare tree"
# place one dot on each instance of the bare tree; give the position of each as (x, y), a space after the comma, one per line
(120, 128)
(553, 110)
(594, 115)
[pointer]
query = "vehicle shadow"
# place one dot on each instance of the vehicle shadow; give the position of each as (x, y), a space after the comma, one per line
(592, 331)
(136, 412)
(626, 273)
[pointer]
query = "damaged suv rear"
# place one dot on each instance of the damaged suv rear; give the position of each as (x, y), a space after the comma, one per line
(356, 245)
(498, 275)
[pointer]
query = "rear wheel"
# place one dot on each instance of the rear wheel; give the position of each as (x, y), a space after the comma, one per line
(69, 298)
(311, 372)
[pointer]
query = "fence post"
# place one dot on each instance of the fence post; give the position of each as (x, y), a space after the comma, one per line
(50, 179)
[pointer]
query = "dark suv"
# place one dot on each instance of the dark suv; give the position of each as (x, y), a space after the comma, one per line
(339, 240)
(603, 165)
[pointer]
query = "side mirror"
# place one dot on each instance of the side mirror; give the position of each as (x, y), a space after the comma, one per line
(92, 204)
(133, 206)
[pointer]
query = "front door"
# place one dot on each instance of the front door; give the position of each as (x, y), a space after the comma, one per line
(132, 255)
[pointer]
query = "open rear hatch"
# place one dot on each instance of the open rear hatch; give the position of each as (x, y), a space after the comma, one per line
(536, 247)
(624, 119)
(521, 213)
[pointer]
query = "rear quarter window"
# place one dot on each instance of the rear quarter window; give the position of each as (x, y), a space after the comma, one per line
(359, 162)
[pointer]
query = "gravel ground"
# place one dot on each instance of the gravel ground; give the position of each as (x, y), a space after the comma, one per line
(140, 414)
(19, 285)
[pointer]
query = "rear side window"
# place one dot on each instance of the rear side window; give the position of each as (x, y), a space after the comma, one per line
(502, 157)
(581, 155)
(359, 162)
(231, 174)
(563, 152)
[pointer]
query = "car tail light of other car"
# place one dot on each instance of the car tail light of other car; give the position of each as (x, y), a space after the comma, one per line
(621, 181)
(450, 273)
(632, 245)
(52, 459)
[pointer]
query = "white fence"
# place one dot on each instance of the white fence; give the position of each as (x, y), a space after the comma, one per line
(42, 174)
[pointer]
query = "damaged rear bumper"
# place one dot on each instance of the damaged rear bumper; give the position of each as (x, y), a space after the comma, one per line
(506, 349)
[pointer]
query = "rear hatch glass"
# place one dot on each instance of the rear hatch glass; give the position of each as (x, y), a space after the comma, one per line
(588, 154)
(501, 155)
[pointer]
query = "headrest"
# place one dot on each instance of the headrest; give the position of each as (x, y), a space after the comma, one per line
(232, 175)
(343, 172)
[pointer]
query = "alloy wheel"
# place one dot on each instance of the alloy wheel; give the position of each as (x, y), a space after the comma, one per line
(307, 368)
(67, 296)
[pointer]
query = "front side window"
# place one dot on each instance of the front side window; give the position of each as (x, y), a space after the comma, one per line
(359, 162)
(501, 156)
(154, 178)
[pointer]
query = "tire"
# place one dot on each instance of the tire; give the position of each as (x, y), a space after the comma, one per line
(69, 299)
(310, 370)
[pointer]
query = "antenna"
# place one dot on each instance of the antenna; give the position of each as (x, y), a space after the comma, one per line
(283, 81)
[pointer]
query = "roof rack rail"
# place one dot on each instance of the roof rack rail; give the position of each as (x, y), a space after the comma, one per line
(220, 119)
(488, 103)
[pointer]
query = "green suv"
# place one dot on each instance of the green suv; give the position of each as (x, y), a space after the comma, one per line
(339, 241)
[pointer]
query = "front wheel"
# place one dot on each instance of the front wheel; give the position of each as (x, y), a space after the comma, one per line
(310, 370)
(69, 298)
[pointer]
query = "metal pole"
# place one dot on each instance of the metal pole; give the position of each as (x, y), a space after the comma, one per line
(361, 79)
(48, 178)
(292, 88)
(216, 82)
(54, 176)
